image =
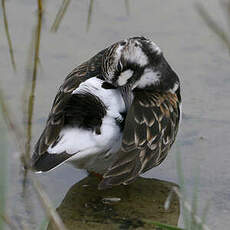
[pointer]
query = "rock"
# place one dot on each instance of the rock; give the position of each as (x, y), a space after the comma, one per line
(133, 206)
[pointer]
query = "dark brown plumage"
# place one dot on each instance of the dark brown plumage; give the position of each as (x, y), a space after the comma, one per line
(150, 130)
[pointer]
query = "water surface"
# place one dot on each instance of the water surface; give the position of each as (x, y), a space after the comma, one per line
(196, 54)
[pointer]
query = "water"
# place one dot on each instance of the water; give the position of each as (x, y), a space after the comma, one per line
(199, 58)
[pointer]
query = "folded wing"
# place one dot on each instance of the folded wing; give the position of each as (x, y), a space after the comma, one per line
(150, 130)
(60, 114)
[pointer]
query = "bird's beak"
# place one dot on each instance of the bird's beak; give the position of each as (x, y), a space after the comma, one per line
(127, 95)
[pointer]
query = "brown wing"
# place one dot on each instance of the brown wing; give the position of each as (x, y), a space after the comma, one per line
(41, 160)
(150, 130)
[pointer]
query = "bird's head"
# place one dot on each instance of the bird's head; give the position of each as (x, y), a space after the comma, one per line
(138, 63)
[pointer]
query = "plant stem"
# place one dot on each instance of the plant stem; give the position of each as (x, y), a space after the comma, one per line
(8, 35)
(60, 15)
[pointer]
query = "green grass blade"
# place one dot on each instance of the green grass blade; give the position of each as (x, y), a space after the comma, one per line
(226, 8)
(213, 25)
(9, 120)
(127, 7)
(167, 227)
(6, 219)
(3, 171)
(44, 224)
(89, 18)
(180, 175)
(162, 226)
(188, 207)
(60, 15)
(195, 202)
(8, 36)
(204, 215)
(47, 205)
(34, 80)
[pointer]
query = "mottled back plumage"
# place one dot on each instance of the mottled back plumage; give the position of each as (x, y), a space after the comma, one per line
(150, 130)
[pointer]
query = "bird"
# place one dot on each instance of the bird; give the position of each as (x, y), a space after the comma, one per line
(116, 114)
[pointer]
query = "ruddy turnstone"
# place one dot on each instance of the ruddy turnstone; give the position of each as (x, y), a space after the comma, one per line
(116, 114)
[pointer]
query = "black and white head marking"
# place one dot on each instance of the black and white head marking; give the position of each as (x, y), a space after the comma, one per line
(125, 61)
(138, 63)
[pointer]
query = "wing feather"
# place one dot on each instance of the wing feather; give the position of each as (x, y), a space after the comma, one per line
(150, 129)
(57, 116)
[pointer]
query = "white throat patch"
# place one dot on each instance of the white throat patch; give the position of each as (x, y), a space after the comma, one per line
(148, 78)
(124, 77)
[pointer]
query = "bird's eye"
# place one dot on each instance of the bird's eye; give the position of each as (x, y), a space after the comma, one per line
(123, 43)
(136, 44)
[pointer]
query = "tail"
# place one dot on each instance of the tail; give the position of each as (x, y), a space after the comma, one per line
(47, 161)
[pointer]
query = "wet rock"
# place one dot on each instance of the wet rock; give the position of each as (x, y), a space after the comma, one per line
(122, 207)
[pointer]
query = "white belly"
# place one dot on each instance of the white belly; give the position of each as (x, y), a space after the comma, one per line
(91, 151)
(97, 152)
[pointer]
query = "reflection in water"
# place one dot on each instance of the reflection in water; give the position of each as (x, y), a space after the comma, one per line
(122, 207)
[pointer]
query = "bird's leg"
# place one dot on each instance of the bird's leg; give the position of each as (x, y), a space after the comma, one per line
(99, 176)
